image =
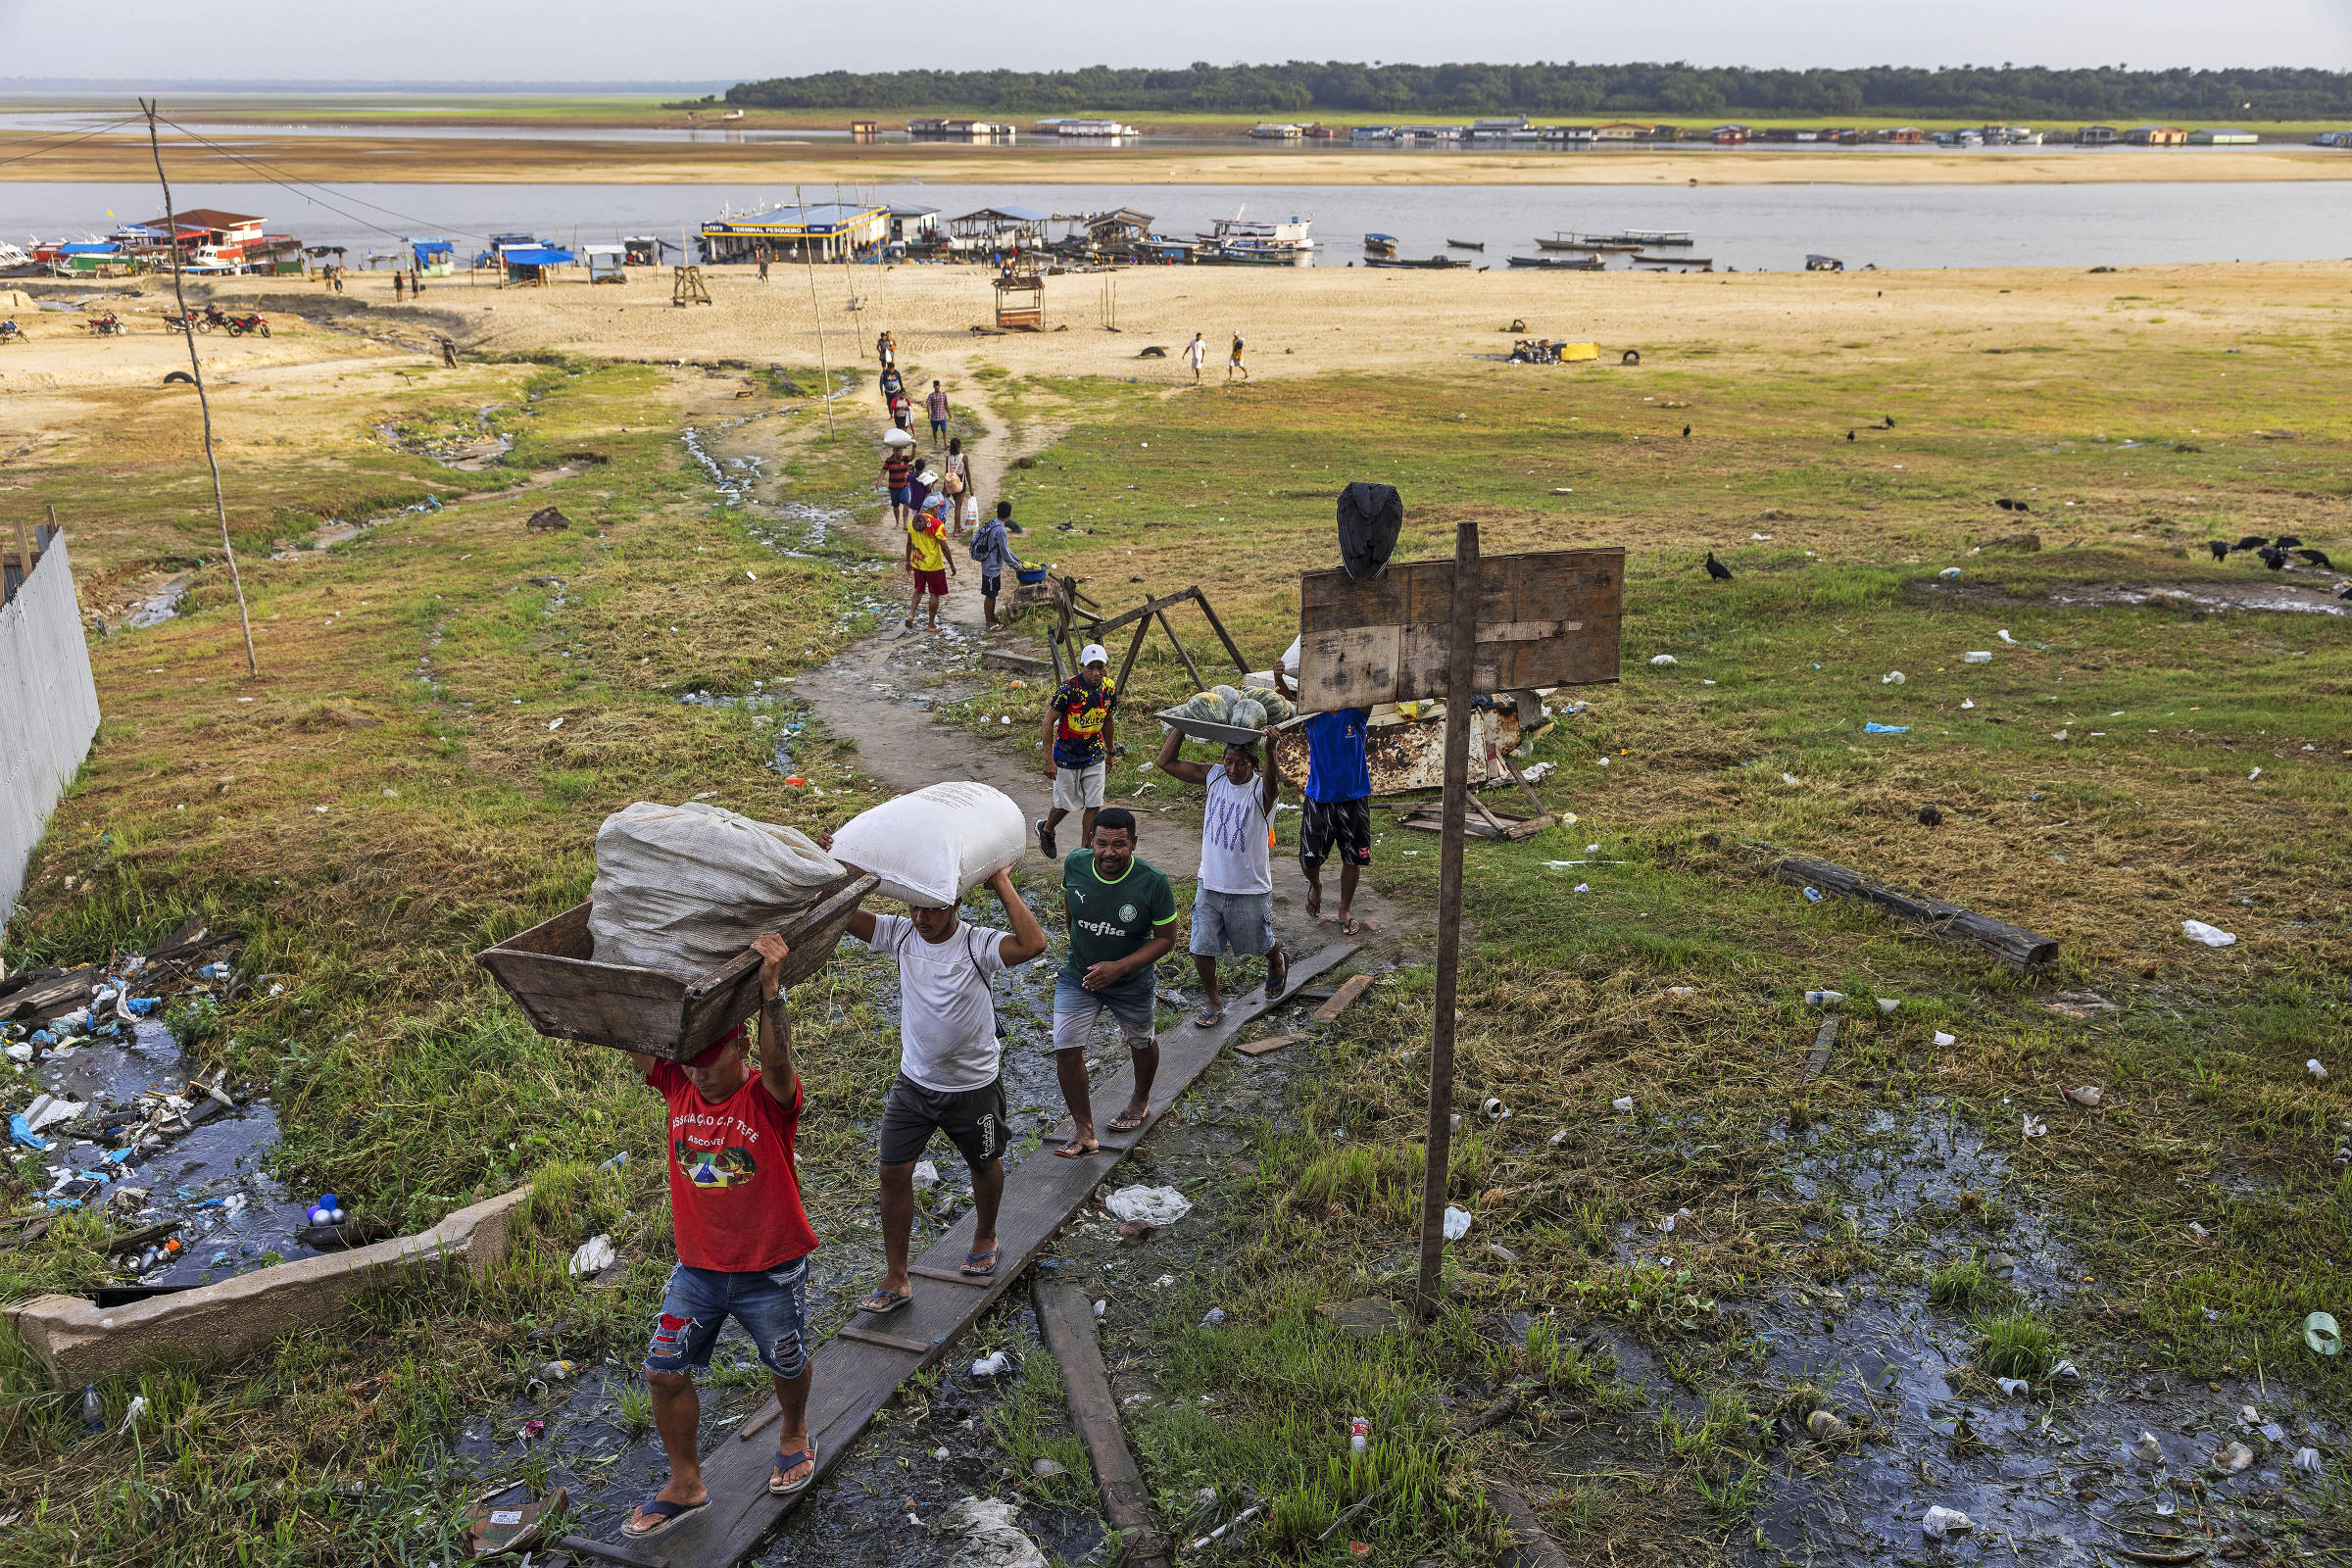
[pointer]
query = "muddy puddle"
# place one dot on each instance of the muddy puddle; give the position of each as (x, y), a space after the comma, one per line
(2317, 597)
(141, 1135)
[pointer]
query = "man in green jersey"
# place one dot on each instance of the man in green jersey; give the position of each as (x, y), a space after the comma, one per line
(1122, 916)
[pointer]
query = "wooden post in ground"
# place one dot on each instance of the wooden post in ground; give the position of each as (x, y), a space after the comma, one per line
(824, 370)
(1460, 656)
(1066, 1320)
(24, 555)
(1200, 681)
(1218, 626)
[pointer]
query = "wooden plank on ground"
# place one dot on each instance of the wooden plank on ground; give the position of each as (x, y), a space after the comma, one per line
(1344, 997)
(1258, 1048)
(855, 1377)
(1066, 1319)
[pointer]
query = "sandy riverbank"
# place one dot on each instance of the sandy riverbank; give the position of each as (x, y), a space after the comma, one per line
(490, 159)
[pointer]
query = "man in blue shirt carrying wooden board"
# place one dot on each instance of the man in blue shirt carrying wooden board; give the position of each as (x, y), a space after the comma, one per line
(1335, 806)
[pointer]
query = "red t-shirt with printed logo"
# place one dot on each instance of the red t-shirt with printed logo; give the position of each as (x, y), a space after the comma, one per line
(734, 1196)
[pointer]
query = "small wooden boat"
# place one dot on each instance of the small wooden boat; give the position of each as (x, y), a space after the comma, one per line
(1563, 240)
(1467, 244)
(1380, 244)
(1655, 236)
(1437, 264)
(1561, 263)
(1696, 264)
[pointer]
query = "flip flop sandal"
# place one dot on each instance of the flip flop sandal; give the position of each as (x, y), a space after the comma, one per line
(1127, 1124)
(1076, 1150)
(1205, 1018)
(1278, 979)
(881, 1302)
(989, 1257)
(664, 1514)
(786, 1463)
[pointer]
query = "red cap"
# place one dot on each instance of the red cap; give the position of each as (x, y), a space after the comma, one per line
(709, 1054)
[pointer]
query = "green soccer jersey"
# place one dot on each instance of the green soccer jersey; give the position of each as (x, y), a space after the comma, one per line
(1111, 919)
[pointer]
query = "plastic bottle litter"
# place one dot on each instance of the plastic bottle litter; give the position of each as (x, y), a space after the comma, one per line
(2015, 1385)
(1893, 678)
(994, 1364)
(1558, 1139)
(1942, 1523)
(2211, 936)
(616, 1161)
(1943, 1039)
(1789, 778)
(2005, 637)
(591, 1256)
(1359, 1434)
(1978, 657)
(1496, 1111)
(1457, 1224)
(1823, 999)
(93, 1409)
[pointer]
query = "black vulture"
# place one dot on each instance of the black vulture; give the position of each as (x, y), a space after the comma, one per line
(1717, 569)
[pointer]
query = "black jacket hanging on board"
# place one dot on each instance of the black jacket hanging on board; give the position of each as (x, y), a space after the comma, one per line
(1370, 518)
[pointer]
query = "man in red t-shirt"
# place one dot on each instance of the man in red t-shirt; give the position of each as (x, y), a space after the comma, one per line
(743, 1244)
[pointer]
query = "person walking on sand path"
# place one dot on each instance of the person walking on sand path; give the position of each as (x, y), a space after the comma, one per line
(743, 1243)
(935, 405)
(951, 1062)
(398, 281)
(898, 468)
(1122, 916)
(1336, 804)
(956, 478)
(1234, 364)
(891, 382)
(886, 350)
(927, 555)
(1080, 729)
(1233, 907)
(415, 281)
(1196, 353)
(992, 552)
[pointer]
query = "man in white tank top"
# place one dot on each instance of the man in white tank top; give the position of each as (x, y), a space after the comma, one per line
(1233, 908)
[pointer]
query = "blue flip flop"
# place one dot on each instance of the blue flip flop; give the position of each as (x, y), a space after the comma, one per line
(785, 1464)
(664, 1514)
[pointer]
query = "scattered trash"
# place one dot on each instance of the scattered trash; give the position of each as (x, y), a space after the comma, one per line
(1874, 727)
(2015, 1385)
(1812, 895)
(591, 1256)
(1149, 1205)
(1943, 1039)
(93, 1409)
(2232, 1457)
(1943, 1523)
(994, 1364)
(2035, 1129)
(1582, 887)
(1561, 1137)
(1457, 1224)
(1100, 1308)
(1893, 678)
(2199, 1231)
(1497, 1251)
(1665, 659)
(2211, 936)
(130, 1417)
(2066, 1371)
(2005, 637)
(1623, 1102)
(1889, 1003)
(1980, 657)
(990, 1538)
(1823, 999)
(2147, 1449)
(1789, 778)
(1215, 1316)
(1539, 771)
(2087, 1096)
(1048, 1469)
(2308, 1462)
(2314, 1068)
(616, 1161)
(1496, 1111)
(2322, 1335)
(2251, 777)
(1967, 702)
(926, 1174)
(1826, 1426)
(329, 1210)
(558, 1371)
(1949, 573)
(1360, 1428)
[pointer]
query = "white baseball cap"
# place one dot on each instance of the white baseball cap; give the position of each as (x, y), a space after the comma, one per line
(1093, 653)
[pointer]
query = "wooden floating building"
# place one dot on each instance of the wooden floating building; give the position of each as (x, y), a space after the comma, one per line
(824, 232)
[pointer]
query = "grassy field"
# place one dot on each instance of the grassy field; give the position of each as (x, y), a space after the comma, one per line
(448, 703)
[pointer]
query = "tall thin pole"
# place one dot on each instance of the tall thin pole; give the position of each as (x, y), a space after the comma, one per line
(212, 459)
(1461, 652)
(823, 369)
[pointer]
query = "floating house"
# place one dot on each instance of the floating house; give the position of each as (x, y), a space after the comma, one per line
(866, 131)
(1503, 128)
(1901, 136)
(1620, 132)
(2097, 136)
(998, 228)
(1089, 130)
(210, 240)
(1566, 135)
(961, 131)
(2229, 136)
(1731, 135)
(913, 225)
(1277, 130)
(2332, 138)
(1372, 136)
(824, 232)
(2156, 136)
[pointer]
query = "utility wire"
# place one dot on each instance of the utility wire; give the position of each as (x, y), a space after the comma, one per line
(304, 189)
(62, 143)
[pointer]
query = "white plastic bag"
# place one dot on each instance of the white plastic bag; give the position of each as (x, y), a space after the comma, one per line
(1149, 1205)
(2211, 936)
(936, 844)
(684, 889)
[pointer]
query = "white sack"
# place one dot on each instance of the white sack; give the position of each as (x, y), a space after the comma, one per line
(684, 889)
(936, 844)
(1149, 1205)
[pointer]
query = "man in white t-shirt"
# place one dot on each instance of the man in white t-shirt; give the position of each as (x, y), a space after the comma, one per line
(1233, 907)
(948, 1060)
(1196, 353)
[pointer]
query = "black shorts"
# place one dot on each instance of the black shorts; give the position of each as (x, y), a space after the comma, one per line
(1344, 825)
(990, 583)
(972, 1118)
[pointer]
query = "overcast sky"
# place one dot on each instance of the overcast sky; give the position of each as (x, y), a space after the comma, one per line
(454, 40)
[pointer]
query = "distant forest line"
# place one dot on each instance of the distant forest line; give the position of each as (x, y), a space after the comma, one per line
(1307, 87)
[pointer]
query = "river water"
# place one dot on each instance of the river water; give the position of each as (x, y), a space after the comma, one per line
(1749, 228)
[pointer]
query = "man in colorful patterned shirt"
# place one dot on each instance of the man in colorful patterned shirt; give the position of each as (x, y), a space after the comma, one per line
(1079, 733)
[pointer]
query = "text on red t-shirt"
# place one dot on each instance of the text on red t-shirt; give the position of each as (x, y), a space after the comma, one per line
(734, 1196)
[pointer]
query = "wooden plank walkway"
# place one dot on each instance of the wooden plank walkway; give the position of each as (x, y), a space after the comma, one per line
(861, 1365)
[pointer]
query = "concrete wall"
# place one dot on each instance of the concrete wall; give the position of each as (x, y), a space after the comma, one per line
(48, 707)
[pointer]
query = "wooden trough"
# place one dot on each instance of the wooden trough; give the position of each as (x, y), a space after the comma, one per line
(549, 972)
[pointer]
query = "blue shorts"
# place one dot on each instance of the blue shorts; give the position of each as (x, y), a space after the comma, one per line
(1075, 1009)
(902, 495)
(939, 430)
(772, 1305)
(1241, 923)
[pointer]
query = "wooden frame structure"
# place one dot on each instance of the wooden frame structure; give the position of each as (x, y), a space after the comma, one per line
(1069, 619)
(1020, 302)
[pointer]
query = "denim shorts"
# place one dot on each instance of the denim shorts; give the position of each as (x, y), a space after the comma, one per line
(1241, 923)
(771, 1305)
(1075, 1009)
(902, 494)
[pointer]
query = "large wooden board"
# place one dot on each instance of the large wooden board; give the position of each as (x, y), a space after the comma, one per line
(855, 1377)
(1550, 618)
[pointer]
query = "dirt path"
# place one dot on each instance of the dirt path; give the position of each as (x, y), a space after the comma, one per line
(880, 693)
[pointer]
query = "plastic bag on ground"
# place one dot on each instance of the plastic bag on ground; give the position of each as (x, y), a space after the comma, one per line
(989, 1538)
(1149, 1205)
(936, 844)
(591, 1256)
(2211, 936)
(684, 889)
